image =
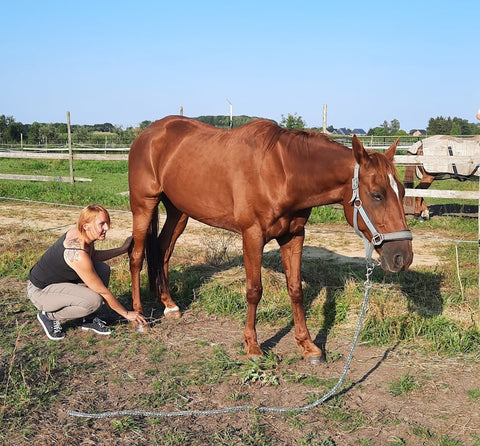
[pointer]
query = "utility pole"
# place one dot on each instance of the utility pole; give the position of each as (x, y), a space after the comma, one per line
(70, 152)
(230, 113)
(324, 118)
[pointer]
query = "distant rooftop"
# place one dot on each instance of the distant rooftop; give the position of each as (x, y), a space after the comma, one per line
(344, 131)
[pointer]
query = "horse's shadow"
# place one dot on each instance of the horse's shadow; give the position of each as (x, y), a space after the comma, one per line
(322, 271)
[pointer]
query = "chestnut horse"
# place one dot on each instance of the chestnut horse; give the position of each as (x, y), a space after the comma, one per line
(260, 181)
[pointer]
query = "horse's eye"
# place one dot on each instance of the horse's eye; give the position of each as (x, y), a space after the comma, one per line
(376, 196)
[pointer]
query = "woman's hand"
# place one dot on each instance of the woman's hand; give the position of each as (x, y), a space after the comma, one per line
(136, 317)
(128, 244)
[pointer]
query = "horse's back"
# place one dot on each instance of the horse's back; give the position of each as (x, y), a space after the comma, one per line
(204, 171)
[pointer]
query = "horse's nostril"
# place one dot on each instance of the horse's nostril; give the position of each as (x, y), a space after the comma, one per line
(398, 261)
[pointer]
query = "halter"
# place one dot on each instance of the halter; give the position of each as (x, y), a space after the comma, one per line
(377, 237)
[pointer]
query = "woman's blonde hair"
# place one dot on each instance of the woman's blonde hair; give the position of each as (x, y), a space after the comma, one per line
(89, 213)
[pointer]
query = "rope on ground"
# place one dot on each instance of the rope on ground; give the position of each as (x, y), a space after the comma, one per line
(328, 395)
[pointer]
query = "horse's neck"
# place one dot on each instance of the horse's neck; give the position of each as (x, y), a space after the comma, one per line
(325, 173)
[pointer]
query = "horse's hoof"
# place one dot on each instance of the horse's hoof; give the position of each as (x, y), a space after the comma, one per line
(316, 360)
(255, 353)
(254, 358)
(173, 314)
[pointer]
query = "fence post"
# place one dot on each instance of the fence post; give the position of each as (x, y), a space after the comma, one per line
(70, 152)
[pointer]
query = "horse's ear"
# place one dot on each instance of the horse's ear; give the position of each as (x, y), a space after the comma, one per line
(359, 152)
(390, 153)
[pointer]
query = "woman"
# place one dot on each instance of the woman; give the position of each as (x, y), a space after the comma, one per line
(70, 280)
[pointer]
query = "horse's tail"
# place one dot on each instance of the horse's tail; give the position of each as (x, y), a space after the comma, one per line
(152, 252)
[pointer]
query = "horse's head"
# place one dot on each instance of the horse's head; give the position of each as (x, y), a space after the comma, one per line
(374, 206)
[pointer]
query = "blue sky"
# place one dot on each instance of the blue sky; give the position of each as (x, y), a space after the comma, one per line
(125, 62)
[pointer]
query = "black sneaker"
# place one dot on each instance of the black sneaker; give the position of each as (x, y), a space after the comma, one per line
(53, 329)
(96, 325)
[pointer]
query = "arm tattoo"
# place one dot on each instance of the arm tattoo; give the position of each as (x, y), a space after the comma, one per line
(72, 249)
(71, 254)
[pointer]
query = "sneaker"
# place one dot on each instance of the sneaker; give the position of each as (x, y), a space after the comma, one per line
(96, 325)
(53, 329)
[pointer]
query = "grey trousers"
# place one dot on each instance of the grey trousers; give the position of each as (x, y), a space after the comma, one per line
(65, 301)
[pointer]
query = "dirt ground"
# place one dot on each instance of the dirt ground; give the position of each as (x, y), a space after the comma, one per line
(438, 409)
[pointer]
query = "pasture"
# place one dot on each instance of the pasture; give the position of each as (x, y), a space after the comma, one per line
(415, 378)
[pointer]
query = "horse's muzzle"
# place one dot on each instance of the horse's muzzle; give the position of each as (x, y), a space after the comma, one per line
(396, 256)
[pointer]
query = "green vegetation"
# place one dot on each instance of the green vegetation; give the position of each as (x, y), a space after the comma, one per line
(13, 133)
(403, 385)
(423, 310)
(108, 186)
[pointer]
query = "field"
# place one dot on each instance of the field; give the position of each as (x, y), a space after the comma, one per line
(414, 379)
(420, 387)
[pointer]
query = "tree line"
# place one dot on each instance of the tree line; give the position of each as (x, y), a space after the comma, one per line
(107, 134)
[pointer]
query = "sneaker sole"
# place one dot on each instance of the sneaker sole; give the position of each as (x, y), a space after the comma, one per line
(105, 333)
(46, 330)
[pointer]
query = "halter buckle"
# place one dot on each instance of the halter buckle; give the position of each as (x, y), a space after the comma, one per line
(377, 239)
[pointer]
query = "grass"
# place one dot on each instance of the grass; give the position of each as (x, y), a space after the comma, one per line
(109, 180)
(403, 385)
(421, 309)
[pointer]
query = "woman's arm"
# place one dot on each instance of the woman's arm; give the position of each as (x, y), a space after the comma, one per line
(107, 254)
(82, 264)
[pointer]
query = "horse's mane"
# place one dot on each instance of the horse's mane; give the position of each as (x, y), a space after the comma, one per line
(293, 140)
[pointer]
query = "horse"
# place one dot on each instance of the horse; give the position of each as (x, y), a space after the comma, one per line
(440, 146)
(261, 181)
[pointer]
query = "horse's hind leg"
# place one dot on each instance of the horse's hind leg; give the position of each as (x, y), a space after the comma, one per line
(142, 216)
(172, 229)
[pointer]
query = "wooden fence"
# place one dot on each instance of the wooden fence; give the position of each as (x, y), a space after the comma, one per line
(399, 160)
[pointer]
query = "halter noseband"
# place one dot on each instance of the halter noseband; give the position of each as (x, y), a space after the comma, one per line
(377, 238)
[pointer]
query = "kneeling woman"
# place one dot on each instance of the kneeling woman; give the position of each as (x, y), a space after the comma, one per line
(70, 281)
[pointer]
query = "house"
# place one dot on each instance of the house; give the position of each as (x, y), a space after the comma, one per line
(359, 132)
(345, 132)
(418, 132)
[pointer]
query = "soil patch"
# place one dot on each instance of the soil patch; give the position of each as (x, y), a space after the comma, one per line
(440, 406)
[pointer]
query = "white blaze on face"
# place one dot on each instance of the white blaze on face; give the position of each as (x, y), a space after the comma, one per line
(393, 184)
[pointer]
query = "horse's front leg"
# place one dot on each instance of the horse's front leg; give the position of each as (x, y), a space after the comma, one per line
(421, 206)
(291, 250)
(253, 244)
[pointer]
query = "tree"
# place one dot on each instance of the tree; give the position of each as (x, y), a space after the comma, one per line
(34, 133)
(455, 131)
(144, 124)
(451, 126)
(394, 126)
(386, 129)
(293, 122)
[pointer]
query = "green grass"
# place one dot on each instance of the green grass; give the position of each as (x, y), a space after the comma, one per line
(403, 385)
(422, 308)
(109, 180)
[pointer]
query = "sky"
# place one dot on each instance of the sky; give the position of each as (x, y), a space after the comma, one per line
(127, 62)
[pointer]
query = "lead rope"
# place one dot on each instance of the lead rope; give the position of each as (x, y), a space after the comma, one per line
(370, 265)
